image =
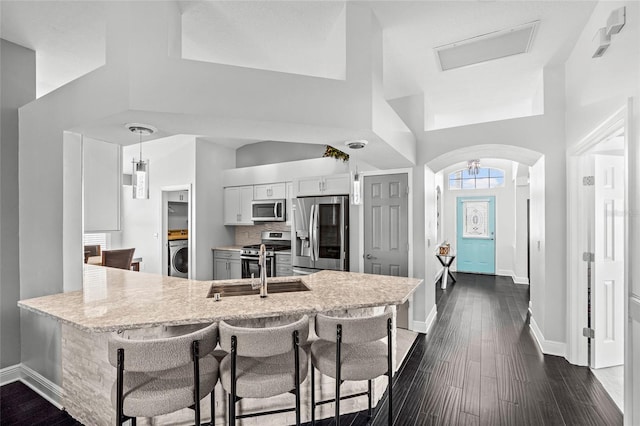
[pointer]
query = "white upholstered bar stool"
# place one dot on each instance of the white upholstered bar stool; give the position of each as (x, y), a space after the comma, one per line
(350, 348)
(161, 375)
(263, 362)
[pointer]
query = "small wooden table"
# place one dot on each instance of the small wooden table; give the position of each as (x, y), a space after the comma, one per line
(445, 261)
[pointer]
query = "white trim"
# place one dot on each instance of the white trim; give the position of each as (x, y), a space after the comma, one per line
(512, 274)
(577, 352)
(425, 326)
(37, 382)
(520, 280)
(548, 347)
(505, 273)
(10, 374)
(634, 308)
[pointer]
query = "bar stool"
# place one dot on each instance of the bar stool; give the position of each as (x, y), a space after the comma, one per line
(263, 362)
(351, 349)
(162, 375)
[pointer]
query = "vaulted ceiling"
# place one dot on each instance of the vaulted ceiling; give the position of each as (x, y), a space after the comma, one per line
(307, 37)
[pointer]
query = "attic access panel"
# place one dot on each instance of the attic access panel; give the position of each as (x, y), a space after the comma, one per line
(487, 47)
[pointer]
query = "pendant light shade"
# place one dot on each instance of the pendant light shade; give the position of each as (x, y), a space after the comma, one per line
(140, 167)
(356, 184)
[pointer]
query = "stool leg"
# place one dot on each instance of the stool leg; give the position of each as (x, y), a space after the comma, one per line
(119, 386)
(313, 395)
(232, 402)
(296, 357)
(212, 404)
(390, 369)
(195, 352)
(369, 383)
(338, 368)
(133, 421)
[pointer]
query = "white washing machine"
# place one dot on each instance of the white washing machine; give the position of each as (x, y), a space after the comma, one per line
(179, 258)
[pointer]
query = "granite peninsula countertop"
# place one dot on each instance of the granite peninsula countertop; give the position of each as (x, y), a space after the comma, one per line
(116, 299)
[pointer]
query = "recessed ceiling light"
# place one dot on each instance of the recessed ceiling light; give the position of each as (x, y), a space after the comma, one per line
(356, 144)
(486, 47)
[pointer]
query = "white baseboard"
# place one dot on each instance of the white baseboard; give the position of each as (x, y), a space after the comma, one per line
(10, 374)
(520, 280)
(505, 272)
(425, 326)
(509, 273)
(548, 347)
(41, 385)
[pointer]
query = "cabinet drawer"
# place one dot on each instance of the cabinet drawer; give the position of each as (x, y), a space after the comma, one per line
(283, 259)
(226, 254)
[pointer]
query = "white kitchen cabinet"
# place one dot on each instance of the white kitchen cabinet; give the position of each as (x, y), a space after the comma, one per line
(180, 196)
(322, 185)
(237, 205)
(102, 185)
(283, 265)
(269, 191)
(226, 265)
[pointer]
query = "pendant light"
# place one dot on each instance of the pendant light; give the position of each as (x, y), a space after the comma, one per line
(473, 166)
(140, 175)
(356, 188)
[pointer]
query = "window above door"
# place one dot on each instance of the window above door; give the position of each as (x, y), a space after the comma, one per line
(487, 177)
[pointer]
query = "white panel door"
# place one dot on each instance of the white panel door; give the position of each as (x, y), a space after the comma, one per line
(608, 282)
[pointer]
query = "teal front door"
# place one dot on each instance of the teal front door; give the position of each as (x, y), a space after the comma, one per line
(476, 244)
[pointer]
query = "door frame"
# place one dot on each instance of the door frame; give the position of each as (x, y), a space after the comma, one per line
(163, 241)
(409, 173)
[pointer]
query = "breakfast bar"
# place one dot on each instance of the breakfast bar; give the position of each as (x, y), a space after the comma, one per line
(148, 304)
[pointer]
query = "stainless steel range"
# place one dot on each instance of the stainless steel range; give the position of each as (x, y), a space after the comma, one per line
(274, 241)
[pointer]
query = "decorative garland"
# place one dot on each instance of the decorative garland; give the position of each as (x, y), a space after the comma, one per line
(335, 153)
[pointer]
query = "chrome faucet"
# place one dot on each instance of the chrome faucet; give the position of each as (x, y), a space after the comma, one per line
(262, 262)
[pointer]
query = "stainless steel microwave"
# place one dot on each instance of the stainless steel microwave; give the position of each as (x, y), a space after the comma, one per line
(268, 210)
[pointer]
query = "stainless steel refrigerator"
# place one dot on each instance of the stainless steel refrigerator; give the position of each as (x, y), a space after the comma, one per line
(320, 237)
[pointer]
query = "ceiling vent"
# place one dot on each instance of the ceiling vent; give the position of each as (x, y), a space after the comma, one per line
(486, 47)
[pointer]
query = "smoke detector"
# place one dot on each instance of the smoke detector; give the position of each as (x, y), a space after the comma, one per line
(356, 144)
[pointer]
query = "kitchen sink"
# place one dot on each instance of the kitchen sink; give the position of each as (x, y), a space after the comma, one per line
(273, 286)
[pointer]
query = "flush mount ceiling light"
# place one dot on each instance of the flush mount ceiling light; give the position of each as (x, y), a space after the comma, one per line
(140, 167)
(486, 47)
(356, 190)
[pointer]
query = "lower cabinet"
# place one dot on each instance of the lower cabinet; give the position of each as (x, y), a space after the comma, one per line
(283, 265)
(226, 265)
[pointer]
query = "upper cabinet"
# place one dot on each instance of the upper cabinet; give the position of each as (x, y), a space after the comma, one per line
(178, 196)
(270, 191)
(322, 185)
(237, 205)
(102, 174)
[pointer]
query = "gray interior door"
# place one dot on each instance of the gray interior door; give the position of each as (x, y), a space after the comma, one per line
(386, 229)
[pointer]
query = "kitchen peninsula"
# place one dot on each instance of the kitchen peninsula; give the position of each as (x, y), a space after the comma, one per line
(114, 299)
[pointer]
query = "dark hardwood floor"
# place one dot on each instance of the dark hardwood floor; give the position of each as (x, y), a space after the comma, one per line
(20, 405)
(479, 365)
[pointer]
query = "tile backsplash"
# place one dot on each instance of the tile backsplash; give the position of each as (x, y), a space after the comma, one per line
(251, 234)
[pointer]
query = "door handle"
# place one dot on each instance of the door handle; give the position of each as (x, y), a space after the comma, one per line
(368, 256)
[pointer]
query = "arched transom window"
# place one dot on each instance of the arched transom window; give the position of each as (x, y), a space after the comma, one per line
(486, 178)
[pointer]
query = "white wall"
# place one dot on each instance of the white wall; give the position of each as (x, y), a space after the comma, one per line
(17, 87)
(210, 162)
(171, 162)
(595, 90)
(504, 209)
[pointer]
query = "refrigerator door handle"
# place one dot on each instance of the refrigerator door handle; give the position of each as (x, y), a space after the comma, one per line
(316, 242)
(312, 232)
